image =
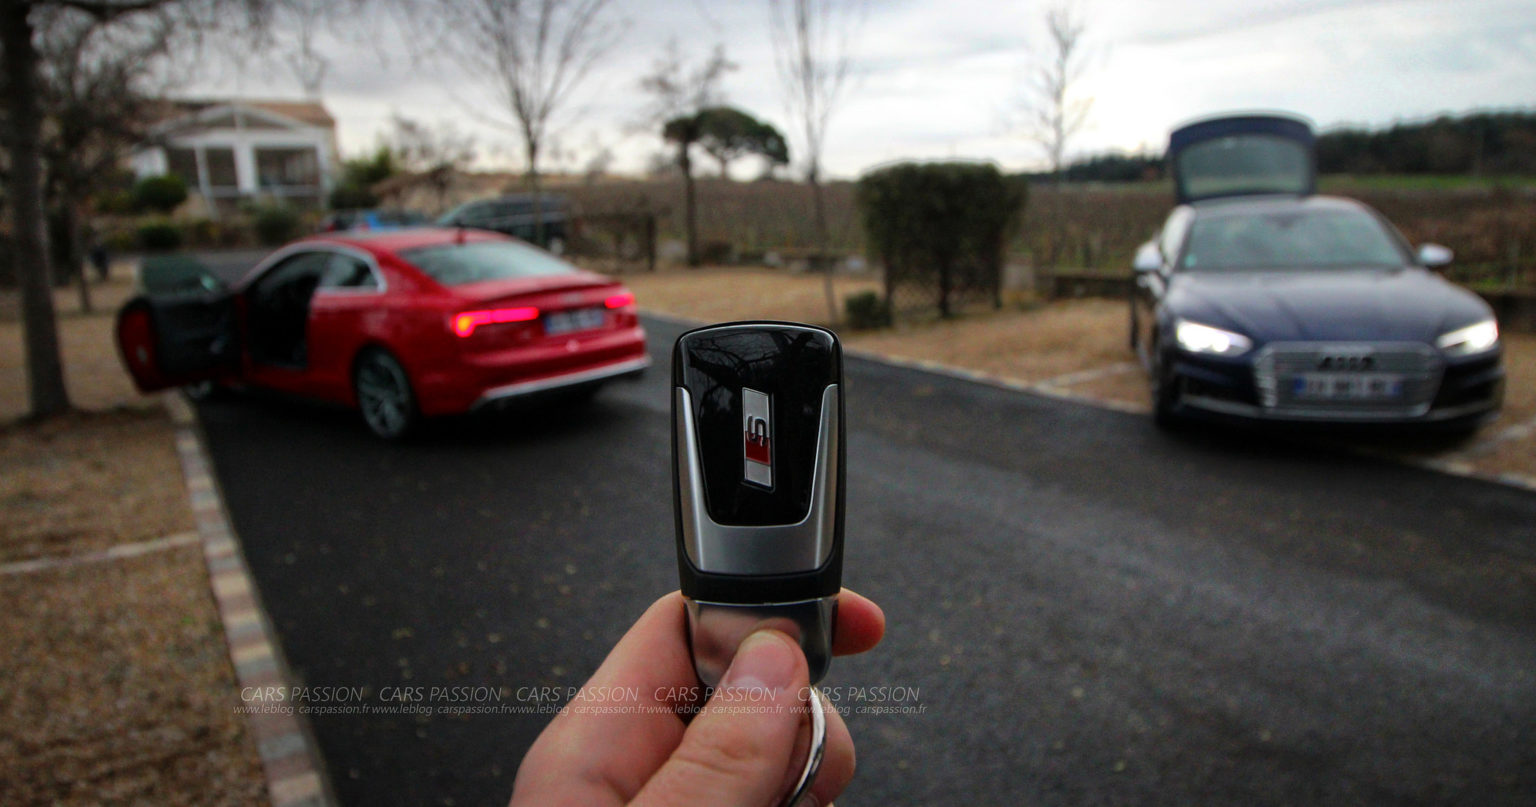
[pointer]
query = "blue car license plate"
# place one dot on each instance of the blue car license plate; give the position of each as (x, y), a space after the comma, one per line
(1347, 386)
(581, 319)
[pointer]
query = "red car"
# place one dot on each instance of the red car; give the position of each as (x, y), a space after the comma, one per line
(400, 324)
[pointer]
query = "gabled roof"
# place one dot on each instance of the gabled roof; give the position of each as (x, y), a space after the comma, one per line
(175, 112)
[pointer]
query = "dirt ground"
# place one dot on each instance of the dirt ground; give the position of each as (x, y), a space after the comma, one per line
(1074, 346)
(117, 685)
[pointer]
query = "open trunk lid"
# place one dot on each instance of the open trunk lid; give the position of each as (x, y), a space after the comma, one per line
(1242, 155)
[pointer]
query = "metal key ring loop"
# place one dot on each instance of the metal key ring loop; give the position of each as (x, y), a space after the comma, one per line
(818, 705)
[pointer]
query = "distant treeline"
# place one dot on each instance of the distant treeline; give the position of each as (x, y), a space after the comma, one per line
(1479, 144)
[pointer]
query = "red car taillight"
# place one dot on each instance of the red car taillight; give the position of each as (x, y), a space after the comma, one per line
(620, 301)
(464, 324)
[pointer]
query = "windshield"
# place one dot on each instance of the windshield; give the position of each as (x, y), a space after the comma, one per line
(1294, 239)
(457, 264)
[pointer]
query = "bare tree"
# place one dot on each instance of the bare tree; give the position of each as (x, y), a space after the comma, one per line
(309, 65)
(1054, 115)
(678, 96)
(436, 153)
(536, 52)
(811, 44)
(21, 22)
(94, 83)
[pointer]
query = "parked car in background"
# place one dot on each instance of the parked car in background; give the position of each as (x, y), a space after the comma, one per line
(400, 324)
(1260, 300)
(371, 218)
(513, 215)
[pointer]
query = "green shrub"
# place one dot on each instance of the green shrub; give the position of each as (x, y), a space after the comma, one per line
(160, 194)
(159, 235)
(866, 310)
(940, 228)
(276, 224)
(348, 197)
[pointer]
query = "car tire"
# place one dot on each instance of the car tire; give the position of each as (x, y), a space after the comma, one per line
(384, 395)
(1165, 395)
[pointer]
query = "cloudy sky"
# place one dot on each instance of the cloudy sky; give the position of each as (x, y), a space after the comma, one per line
(943, 78)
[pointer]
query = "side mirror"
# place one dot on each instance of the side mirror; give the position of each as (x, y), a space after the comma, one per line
(1433, 255)
(1148, 259)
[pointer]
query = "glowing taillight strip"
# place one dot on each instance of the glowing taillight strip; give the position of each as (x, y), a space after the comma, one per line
(464, 324)
(620, 301)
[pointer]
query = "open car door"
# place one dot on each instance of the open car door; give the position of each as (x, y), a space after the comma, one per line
(174, 340)
(1241, 155)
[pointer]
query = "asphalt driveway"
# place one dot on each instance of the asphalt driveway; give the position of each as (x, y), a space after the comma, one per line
(1086, 610)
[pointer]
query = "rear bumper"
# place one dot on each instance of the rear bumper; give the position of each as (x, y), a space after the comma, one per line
(472, 381)
(629, 368)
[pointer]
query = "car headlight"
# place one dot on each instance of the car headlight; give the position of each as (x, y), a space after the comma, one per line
(1197, 338)
(1474, 338)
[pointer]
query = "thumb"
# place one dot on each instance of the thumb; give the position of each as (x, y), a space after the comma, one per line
(737, 751)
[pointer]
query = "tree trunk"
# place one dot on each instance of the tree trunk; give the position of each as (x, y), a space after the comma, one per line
(74, 262)
(45, 367)
(690, 204)
(823, 247)
(538, 193)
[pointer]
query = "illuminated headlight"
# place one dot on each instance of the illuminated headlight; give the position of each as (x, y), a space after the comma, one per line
(1197, 338)
(1474, 338)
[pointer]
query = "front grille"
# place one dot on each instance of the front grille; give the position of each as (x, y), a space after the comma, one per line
(1280, 364)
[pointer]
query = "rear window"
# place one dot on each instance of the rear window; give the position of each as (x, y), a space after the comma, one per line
(477, 261)
(1302, 239)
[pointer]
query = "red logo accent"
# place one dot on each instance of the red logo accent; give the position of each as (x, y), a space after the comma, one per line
(756, 438)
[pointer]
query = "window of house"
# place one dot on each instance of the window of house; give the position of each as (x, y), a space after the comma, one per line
(182, 163)
(287, 167)
(222, 173)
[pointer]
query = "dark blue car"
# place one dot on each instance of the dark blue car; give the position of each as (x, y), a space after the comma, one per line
(1260, 300)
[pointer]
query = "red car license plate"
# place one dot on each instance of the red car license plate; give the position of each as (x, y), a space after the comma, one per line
(581, 319)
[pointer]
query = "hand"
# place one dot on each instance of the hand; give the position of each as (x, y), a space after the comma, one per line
(727, 755)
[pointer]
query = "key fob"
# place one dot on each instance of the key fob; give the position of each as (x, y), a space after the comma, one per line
(757, 459)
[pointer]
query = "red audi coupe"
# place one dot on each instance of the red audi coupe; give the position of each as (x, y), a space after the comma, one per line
(400, 324)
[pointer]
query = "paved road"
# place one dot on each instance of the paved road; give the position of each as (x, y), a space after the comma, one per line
(1087, 610)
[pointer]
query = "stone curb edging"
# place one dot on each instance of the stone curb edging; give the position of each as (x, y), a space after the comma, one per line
(294, 771)
(1449, 466)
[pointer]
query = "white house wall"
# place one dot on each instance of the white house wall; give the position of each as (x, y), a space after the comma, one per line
(243, 142)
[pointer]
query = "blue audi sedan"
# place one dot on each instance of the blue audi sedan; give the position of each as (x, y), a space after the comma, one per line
(1260, 300)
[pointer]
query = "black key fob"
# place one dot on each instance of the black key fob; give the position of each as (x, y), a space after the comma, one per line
(757, 457)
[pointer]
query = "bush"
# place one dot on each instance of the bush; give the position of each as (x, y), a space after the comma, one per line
(349, 197)
(159, 236)
(276, 224)
(866, 310)
(940, 228)
(160, 194)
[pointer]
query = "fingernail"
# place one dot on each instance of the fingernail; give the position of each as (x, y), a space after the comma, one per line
(765, 659)
(807, 801)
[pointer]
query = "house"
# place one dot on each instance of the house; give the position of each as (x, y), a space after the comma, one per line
(233, 151)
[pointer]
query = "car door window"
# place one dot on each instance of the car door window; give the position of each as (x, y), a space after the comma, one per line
(348, 272)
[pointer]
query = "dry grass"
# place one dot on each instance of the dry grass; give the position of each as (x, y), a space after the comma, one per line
(733, 293)
(117, 687)
(1024, 345)
(88, 481)
(93, 373)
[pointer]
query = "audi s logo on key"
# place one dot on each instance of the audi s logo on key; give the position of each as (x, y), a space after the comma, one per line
(757, 438)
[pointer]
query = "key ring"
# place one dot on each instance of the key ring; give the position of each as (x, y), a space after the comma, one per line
(818, 705)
